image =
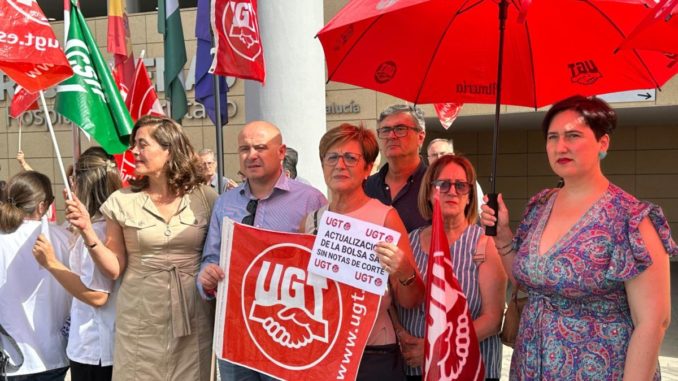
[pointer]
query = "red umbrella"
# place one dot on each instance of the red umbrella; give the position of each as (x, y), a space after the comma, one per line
(438, 51)
(658, 31)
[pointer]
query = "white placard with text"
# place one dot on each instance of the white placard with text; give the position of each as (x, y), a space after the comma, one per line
(344, 251)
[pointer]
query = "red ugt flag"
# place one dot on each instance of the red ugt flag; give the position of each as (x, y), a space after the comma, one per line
(239, 52)
(29, 51)
(142, 98)
(451, 349)
(22, 101)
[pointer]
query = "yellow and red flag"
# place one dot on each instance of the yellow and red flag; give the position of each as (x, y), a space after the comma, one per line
(119, 44)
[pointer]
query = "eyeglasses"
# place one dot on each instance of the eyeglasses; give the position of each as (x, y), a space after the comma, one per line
(252, 210)
(460, 187)
(350, 159)
(399, 131)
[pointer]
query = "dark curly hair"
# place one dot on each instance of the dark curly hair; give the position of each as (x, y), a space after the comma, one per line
(183, 169)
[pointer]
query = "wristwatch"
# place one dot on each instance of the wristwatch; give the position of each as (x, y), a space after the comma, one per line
(409, 280)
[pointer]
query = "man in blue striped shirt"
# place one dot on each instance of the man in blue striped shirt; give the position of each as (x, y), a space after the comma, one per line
(267, 199)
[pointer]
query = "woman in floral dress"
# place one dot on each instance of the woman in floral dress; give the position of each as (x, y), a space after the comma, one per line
(593, 259)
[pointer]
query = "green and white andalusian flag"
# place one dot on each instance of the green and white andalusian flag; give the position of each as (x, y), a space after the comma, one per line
(169, 24)
(90, 98)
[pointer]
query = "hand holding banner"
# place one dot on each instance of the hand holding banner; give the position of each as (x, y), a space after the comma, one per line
(344, 251)
(275, 317)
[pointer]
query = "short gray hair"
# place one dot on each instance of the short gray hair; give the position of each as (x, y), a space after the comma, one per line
(415, 112)
(205, 152)
(440, 140)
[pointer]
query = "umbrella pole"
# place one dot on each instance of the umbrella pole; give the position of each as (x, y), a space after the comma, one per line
(56, 145)
(492, 197)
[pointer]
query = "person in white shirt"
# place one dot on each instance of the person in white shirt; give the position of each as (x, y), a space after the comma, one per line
(90, 342)
(33, 306)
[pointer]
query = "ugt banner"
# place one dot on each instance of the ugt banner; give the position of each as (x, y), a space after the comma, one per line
(29, 51)
(275, 317)
(238, 47)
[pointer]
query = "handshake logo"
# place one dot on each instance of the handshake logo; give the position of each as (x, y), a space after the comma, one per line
(291, 309)
(240, 22)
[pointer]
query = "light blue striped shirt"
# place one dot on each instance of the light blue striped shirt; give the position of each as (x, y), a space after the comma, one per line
(466, 271)
(282, 210)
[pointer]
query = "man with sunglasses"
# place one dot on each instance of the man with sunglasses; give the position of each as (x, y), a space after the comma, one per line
(267, 199)
(401, 133)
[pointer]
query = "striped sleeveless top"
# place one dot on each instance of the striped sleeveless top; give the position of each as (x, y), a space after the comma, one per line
(466, 271)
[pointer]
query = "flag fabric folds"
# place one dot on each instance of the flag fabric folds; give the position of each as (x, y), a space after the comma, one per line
(169, 25)
(142, 98)
(29, 51)
(447, 113)
(451, 349)
(90, 98)
(119, 43)
(239, 51)
(204, 81)
(22, 101)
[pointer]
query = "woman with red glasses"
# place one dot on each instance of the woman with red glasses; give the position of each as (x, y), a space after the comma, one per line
(347, 153)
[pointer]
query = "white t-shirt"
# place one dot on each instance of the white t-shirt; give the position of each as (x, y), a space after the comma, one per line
(33, 305)
(90, 340)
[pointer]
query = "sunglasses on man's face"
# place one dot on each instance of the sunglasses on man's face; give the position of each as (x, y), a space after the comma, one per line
(460, 187)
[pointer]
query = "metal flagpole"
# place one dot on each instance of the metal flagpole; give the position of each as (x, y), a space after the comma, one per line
(220, 134)
(219, 126)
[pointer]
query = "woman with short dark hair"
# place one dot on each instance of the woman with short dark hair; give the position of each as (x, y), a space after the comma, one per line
(593, 259)
(347, 153)
(155, 232)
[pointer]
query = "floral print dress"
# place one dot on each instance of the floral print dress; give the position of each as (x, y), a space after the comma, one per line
(577, 323)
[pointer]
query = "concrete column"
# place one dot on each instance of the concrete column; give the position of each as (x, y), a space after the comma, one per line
(293, 97)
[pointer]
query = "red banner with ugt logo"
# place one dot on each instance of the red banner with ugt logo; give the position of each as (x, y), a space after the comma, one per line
(29, 51)
(276, 318)
(238, 47)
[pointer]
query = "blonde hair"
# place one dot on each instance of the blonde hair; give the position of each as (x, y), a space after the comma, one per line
(95, 177)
